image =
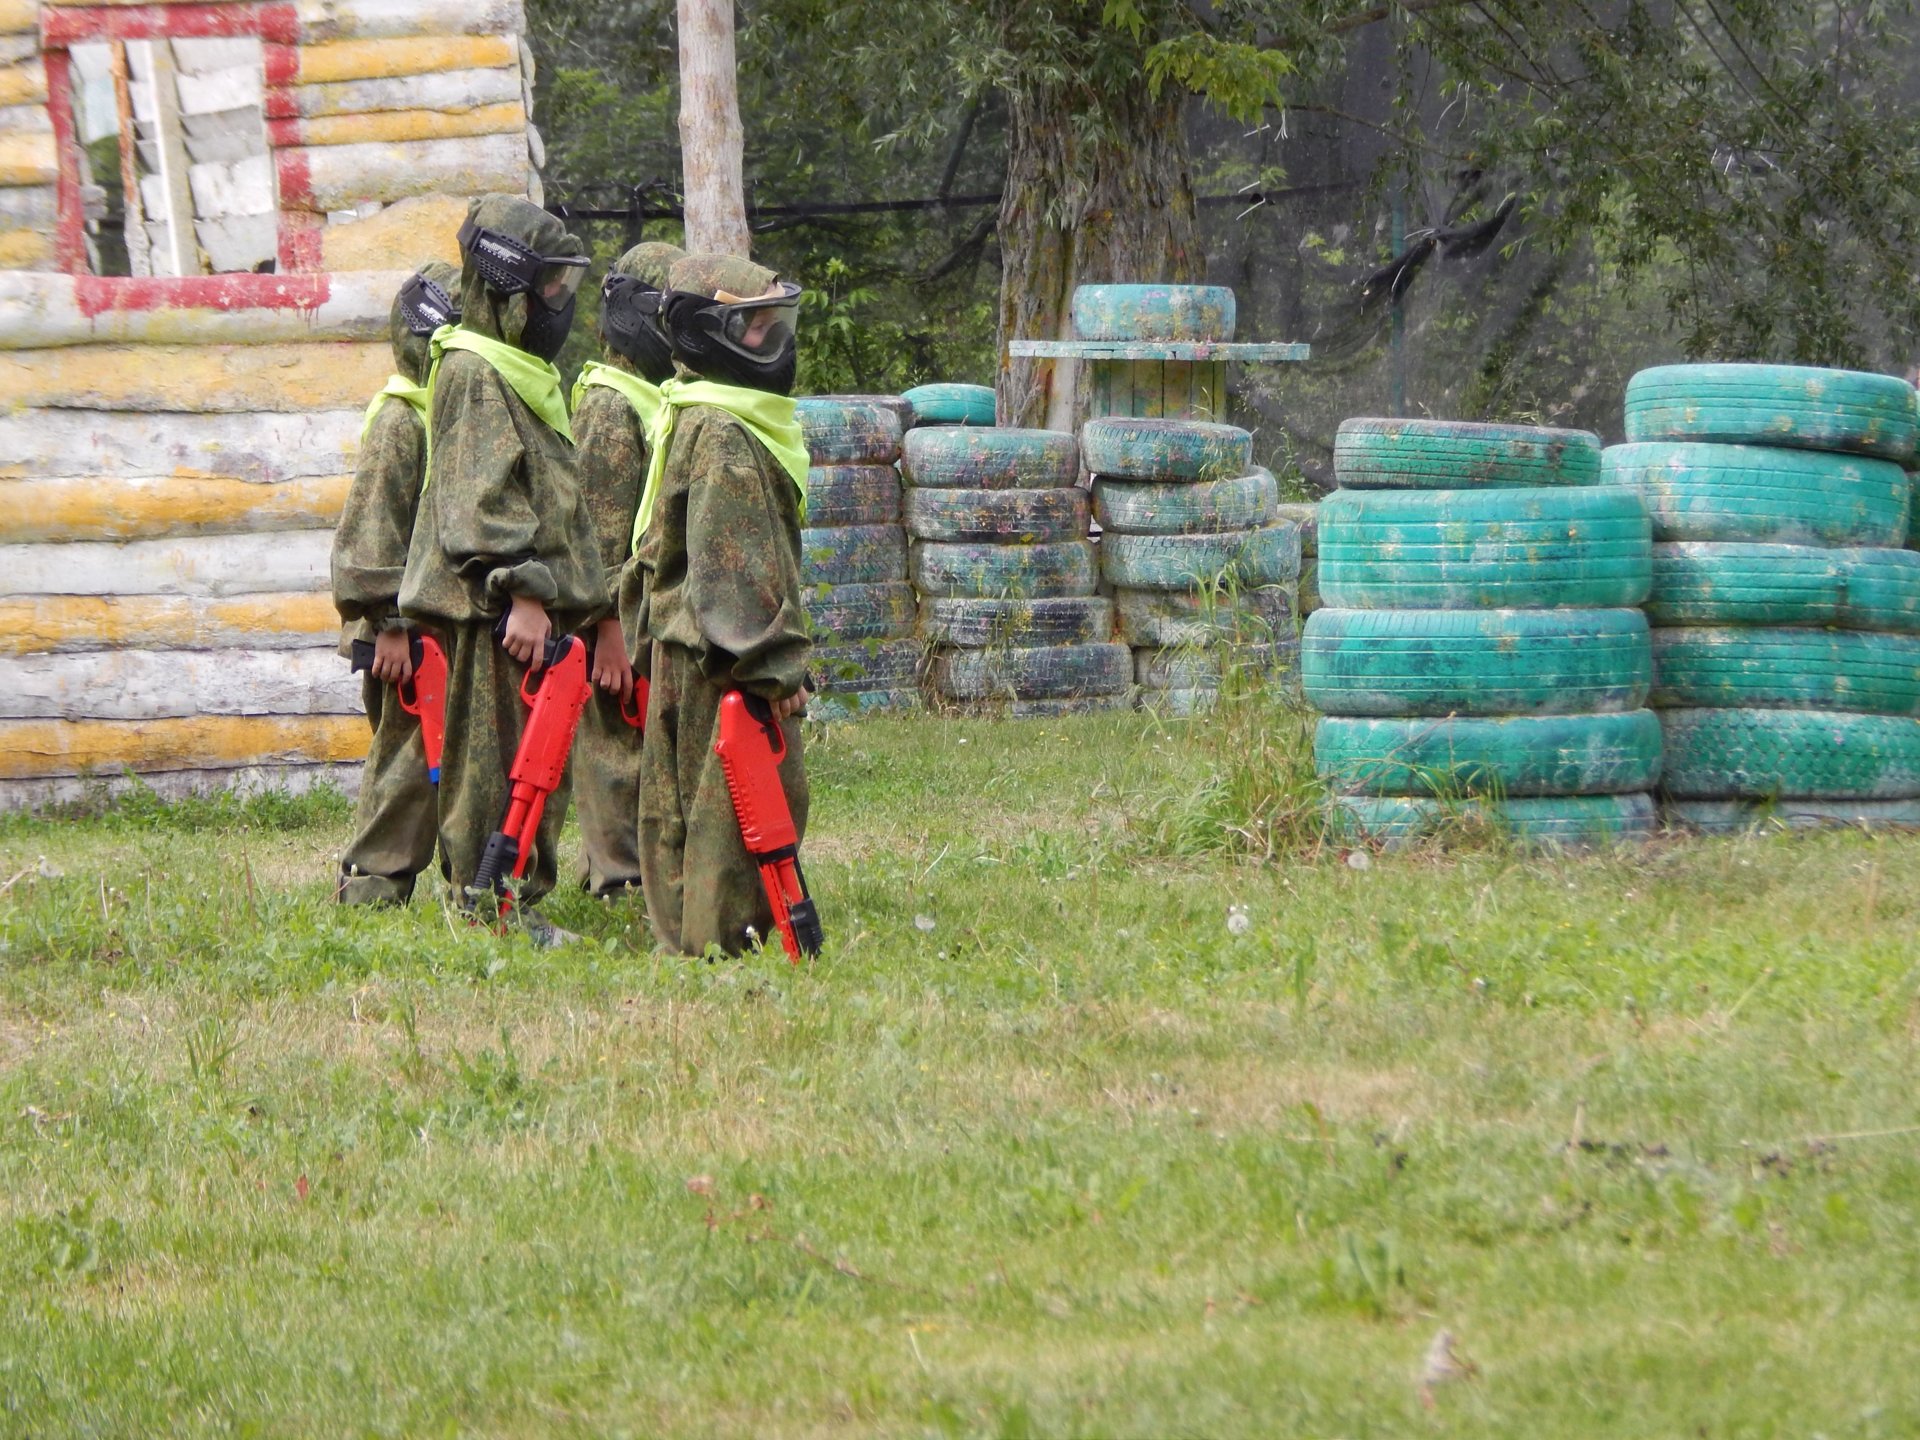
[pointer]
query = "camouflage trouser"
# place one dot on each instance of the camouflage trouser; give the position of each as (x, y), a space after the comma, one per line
(394, 822)
(606, 775)
(485, 716)
(702, 888)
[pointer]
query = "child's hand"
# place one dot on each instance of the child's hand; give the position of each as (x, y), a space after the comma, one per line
(612, 671)
(392, 662)
(786, 709)
(528, 630)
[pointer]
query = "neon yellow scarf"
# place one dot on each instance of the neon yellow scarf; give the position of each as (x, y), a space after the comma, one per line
(641, 393)
(398, 387)
(769, 417)
(535, 381)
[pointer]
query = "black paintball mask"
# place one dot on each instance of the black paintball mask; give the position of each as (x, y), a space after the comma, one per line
(549, 281)
(745, 341)
(630, 324)
(425, 306)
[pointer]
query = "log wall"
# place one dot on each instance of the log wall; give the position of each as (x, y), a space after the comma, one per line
(174, 452)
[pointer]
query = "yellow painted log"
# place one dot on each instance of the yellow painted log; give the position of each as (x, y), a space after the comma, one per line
(27, 158)
(37, 511)
(61, 624)
(25, 249)
(377, 59)
(412, 125)
(205, 379)
(402, 235)
(24, 84)
(17, 17)
(33, 749)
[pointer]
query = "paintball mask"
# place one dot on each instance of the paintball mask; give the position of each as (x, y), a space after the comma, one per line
(425, 306)
(741, 340)
(630, 324)
(549, 281)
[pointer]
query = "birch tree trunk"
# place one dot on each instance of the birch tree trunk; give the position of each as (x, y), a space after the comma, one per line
(711, 139)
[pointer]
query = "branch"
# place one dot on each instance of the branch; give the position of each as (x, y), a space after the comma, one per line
(1382, 12)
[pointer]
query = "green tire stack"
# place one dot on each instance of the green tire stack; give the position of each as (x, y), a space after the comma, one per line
(1005, 573)
(853, 552)
(1479, 650)
(1786, 610)
(1202, 570)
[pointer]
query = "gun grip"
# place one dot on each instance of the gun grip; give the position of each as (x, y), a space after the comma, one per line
(362, 657)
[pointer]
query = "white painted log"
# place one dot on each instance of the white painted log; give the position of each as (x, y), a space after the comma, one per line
(38, 512)
(346, 175)
(389, 19)
(27, 158)
(26, 207)
(30, 119)
(210, 55)
(244, 120)
(73, 624)
(242, 188)
(33, 795)
(26, 250)
(239, 242)
(24, 84)
(236, 88)
(225, 145)
(165, 684)
(454, 90)
(16, 48)
(44, 749)
(180, 379)
(20, 17)
(51, 443)
(423, 55)
(211, 565)
(42, 311)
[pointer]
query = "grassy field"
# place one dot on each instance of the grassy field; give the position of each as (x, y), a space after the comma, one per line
(1045, 1146)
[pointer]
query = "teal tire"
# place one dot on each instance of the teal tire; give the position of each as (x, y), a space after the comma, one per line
(844, 430)
(1757, 668)
(1153, 312)
(1732, 817)
(1051, 672)
(1573, 821)
(855, 704)
(1371, 454)
(994, 572)
(1752, 493)
(1190, 667)
(853, 495)
(842, 614)
(997, 517)
(1268, 556)
(853, 555)
(1119, 448)
(1158, 619)
(975, 624)
(1202, 507)
(1795, 406)
(1806, 754)
(1546, 546)
(1511, 756)
(948, 404)
(1862, 588)
(1476, 662)
(990, 459)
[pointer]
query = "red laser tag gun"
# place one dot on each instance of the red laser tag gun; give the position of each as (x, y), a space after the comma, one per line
(556, 693)
(424, 696)
(751, 747)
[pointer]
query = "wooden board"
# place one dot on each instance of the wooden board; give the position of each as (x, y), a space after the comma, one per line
(326, 375)
(41, 444)
(452, 90)
(212, 565)
(88, 508)
(388, 126)
(71, 624)
(338, 177)
(381, 19)
(173, 684)
(63, 790)
(39, 311)
(41, 749)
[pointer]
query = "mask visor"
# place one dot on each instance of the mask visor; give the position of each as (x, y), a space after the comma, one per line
(764, 326)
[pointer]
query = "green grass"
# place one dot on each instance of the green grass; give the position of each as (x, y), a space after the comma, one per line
(1041, 1148)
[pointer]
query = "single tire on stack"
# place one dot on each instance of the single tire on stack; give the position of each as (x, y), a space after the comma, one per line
(950, 404)
(1005, 573)
(1203, 570)
(1786, 613)
(1480, 652)
(853, 552)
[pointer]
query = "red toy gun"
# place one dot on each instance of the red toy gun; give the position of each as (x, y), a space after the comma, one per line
(751, 747)
(634, 711)
(424, 696)
(557, 693)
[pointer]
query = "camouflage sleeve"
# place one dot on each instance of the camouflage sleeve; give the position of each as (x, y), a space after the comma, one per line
(611, 452)
(743, 565)
(484, 513)
(370, 545)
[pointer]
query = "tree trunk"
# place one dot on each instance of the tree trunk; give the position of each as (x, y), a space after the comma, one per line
(711, 140)
(1085, 203)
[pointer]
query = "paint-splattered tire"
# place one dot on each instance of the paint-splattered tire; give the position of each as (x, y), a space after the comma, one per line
(1163, 618)
(853, 495)
(1732, 817)
(1203, 507)
(847, 431)
(1037, 673)
(1373, 454)
(1267, 556)
(1797, 406)
(1163, 450)
(1760, 668)
(1864, 588)
(1755, 493)
(997, 517)
(846, 613)
(1506, 756)
(1153, 312)
(991, 572)
(974, 624)
(1806, 754)
(950, 404)
(947, 457)
(853, 554)
(1574, 821)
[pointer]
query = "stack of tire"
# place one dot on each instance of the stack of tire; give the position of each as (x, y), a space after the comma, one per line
(853, 553)
(1480, 652)
(945, 403)
(1786, 611)
(1005, 572)
(1203, 575)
